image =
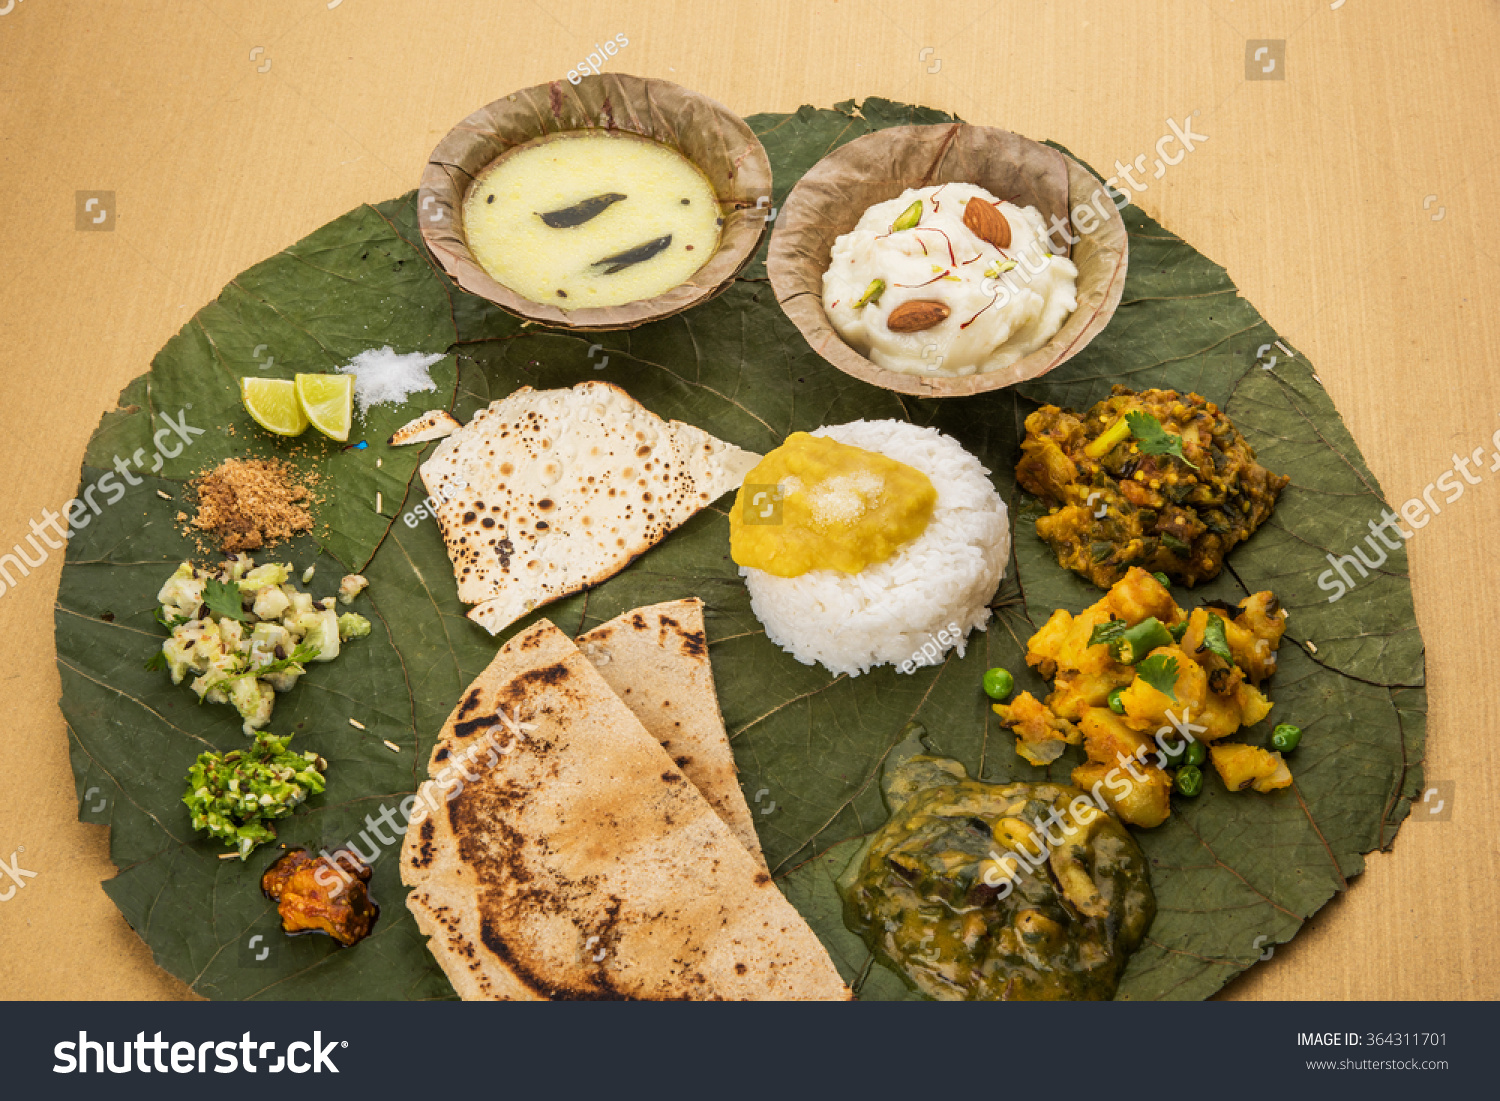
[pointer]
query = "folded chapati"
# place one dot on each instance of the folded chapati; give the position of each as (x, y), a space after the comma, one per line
(546, 492)
(578, 861)
(656, 660)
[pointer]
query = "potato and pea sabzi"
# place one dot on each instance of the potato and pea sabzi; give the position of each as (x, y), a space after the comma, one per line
(1155, 479)
(1135, 664)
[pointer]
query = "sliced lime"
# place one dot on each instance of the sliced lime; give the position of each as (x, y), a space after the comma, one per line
(328, 402)
(274, 405)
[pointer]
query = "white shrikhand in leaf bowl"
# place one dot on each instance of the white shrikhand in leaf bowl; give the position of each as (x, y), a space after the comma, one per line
(948, 281)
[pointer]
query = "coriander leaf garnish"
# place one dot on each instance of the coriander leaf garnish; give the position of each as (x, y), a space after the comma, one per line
(224, 600)
(298, 657)
(1214, 639)
(1153, 438)
(171, 621)
(1108, 632)
(156, 662)
(1160, 672)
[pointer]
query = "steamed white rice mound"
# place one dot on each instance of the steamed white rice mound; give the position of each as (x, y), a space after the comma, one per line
(909, 610)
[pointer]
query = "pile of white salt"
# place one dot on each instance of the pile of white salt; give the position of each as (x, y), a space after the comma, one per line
(382, 376)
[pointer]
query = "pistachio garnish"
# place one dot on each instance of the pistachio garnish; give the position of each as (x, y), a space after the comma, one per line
(909, 217)
(872, 294)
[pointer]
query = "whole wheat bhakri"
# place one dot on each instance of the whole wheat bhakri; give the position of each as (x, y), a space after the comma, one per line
(582, 863)
(656, 660)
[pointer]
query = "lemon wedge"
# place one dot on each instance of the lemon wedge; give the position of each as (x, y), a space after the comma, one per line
(274, 405)
(328, 403)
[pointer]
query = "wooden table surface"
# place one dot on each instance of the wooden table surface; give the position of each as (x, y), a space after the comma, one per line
(1347, 192)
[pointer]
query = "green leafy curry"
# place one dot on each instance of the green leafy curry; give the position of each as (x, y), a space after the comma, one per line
(996, 892)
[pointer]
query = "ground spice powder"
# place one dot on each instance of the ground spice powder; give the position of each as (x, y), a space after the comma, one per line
(248, 504)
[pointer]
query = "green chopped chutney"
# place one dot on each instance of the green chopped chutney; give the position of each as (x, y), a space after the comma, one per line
(235, 795)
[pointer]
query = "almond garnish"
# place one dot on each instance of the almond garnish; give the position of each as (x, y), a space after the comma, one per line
(987, 223)
(915, 315)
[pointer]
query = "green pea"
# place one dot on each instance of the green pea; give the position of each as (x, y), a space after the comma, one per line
(1190, 780)
(1166, 582)
(1286, 737)
(998, 684)
(1114, 700)
(1174, 755)
(1197, 753)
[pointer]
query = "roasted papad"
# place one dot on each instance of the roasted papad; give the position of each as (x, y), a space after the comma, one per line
(576, 860)
(547, 492)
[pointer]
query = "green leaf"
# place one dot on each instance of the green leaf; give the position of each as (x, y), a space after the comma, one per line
(1213, 637)
(1232, 872)
(1153, 438)
(295, 660)
(1160, 672)
(1108, 632)
(223, 599)
(170, 621)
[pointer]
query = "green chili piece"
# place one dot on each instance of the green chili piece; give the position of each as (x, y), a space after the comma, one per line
(1140, 640)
